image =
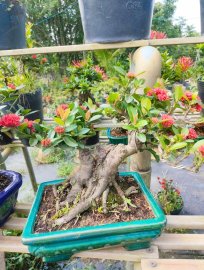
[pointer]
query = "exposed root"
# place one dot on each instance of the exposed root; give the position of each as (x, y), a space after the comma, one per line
(104, 200)
(120, 192)
(131, 190)
(54, 189)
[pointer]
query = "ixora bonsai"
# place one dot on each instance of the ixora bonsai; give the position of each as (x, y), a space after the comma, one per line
(95, 206)
(10, 182)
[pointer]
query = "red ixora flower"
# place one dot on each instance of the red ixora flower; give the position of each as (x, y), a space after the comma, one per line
(178, 191)
(29, 124)
(161, 94)
(185, 63)
(59, 130)
(78, 64)
(100, 71)
(12, 86)
(34, 56)
(155, 120)
(61, 106)
(196, 107)
(46, 142)
(192, 134)
(188, 96)
(167, 120)
(44, 60)
(157, 35)
(201, 150)
(131, 75)
(10, 120)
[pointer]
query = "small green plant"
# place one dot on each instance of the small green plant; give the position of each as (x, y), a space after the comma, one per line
(64, 169)
(169, 197)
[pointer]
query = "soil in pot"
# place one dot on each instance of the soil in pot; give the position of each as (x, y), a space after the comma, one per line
(137, 209)
(119, 132)
(199, 127)
(4, 182)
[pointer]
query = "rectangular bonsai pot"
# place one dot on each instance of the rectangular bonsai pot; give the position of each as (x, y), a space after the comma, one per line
(61, 245)
(8, 196)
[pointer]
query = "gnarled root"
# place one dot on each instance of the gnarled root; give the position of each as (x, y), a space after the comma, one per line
(96, 174)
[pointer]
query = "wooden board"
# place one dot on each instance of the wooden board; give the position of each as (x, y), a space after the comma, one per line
(185, 222)
(92, 47)
(169, 264)
(180, 242)
(14, 223)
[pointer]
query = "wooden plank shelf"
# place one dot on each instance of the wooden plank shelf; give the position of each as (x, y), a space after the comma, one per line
(97, 46)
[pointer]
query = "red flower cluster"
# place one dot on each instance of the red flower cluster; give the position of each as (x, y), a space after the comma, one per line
(177, 191)
(185, 63)
(34, 56)
(131, 75)
(101, 72)
(46, 142)
(201, 150)
(44, 60)
(157, 35)
(10, 120)
(191, 134)
(188, 96)
(63, 107)
(155, 120)
(12, 86)
(167, 120)
(161, 94)
(197, 107)
(78, 64)
(162, 182)
(30, 124)
(59, 130)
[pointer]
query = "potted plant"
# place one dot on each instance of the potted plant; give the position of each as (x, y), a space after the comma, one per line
(12, 21)
(10, 182)
(84, 211)
(116, 21)
(169, 197)
(176, 72)
(81, 77)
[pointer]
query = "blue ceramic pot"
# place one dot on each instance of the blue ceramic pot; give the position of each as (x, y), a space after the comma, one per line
(61, 245)
(8, 196)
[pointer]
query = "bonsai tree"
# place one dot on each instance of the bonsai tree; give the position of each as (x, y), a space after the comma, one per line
(151, 126)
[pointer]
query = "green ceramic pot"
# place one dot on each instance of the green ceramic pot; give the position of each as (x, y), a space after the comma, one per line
(61, 245)
(116, 140)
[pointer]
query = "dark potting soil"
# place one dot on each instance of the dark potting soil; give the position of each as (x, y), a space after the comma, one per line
(4, 182)
(119, 132)
(199, 127)
(138, 210)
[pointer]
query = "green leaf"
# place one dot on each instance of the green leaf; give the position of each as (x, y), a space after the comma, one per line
(178, 92)
(70, 142)
(141, 123)
(177, 146)
(59, 121)
(185, 131)
(146, 104)
(198, 144)
(113, 97)
(83, 131)
(70, 128)
(132, 112)
(51, 134)
(154, 154)
(33, 141)
(141, 137)
(70, 119)
(95, 117)
(120, 70)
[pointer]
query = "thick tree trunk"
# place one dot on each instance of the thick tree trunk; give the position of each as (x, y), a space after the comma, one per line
(97, 172)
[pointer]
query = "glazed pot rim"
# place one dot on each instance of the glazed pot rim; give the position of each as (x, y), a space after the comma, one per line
(30, 238)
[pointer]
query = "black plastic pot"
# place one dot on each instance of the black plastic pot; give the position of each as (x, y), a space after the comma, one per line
(12, 25)
(176, 211)
(92, 140)
(111, 21)
(201, 90)
(32, 101)
(4, 139)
